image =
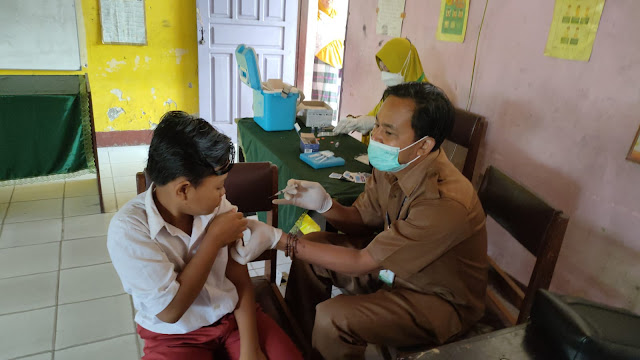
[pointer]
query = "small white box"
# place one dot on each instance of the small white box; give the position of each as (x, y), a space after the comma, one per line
(316, 113)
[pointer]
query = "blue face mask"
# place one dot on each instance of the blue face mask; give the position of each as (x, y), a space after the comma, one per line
(385, 158)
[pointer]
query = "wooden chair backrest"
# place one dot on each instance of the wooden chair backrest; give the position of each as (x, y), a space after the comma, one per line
(536, 225)
(248, 186)
(468, 131)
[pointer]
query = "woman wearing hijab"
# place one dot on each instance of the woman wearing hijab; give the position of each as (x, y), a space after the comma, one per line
(329, 52)
(398, 62)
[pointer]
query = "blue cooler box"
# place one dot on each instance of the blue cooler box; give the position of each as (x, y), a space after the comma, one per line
(274, 102)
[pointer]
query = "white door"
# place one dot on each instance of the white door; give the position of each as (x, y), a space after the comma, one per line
(269, 26)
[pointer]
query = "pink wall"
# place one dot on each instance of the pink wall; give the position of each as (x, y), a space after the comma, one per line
(561, 127)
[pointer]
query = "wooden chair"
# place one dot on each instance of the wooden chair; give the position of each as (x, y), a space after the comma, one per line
(249, 186)
(468, 131)
(536, 225)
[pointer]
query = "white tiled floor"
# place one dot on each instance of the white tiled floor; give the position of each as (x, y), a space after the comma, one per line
(60, 297)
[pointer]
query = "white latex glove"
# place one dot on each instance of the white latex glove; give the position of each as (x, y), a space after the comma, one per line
(363, 124)
(257, 238)
(307, 195)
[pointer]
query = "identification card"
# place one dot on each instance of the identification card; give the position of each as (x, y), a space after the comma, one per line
(387, 277)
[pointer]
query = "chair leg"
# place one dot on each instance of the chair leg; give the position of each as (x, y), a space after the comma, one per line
(384, 351)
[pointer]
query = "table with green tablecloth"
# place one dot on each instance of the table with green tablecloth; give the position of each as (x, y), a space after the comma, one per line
(45, 128)
(282, 148)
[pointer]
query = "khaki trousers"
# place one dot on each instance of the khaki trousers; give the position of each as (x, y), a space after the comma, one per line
(341, 327)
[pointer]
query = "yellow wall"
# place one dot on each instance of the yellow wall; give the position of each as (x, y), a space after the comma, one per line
(132, 86)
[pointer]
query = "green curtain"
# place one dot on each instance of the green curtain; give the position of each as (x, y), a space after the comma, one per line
(44, 135)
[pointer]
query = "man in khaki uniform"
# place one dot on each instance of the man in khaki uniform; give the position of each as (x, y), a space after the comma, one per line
(412, 260)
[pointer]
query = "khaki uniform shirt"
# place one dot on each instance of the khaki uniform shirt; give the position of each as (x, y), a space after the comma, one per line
(436, 242)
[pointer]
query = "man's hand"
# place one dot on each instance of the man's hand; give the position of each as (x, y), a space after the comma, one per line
(226, 228)
(262, 237)
(306, 194)
(363, 124)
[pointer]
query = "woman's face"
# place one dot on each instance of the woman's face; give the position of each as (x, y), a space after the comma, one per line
(383, 67)
(328, 4)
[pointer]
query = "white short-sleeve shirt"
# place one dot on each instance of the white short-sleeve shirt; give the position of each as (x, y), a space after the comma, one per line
(149, 253)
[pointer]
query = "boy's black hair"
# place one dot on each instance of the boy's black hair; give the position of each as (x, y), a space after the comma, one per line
(185, 145)
(433, 115)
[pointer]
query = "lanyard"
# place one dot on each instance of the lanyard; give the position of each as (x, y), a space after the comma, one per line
(399, 211)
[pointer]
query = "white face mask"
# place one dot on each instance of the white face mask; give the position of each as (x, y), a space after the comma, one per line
(393, 79)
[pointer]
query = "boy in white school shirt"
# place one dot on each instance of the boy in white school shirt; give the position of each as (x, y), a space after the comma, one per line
(169, 246)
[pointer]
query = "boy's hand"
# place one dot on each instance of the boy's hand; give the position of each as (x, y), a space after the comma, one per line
(227, 228)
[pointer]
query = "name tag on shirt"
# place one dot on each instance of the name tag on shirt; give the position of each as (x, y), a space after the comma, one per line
(387, 277)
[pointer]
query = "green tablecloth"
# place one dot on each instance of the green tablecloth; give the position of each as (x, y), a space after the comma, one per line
(283, 149)
(43, 135)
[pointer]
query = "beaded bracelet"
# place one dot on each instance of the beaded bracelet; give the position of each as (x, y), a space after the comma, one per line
(291, 247)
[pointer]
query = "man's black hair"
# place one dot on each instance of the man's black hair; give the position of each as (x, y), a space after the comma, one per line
(185, 145)
(433, 115)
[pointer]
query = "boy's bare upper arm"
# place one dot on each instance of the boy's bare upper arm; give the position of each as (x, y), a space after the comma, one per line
(237, 273)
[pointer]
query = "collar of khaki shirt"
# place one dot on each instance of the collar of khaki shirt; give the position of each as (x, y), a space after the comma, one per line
(409, 178)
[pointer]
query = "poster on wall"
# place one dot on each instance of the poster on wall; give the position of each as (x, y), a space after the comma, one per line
(634, 151)
(123, 22)
(390, 17)
(452, 23)
(573, 29)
